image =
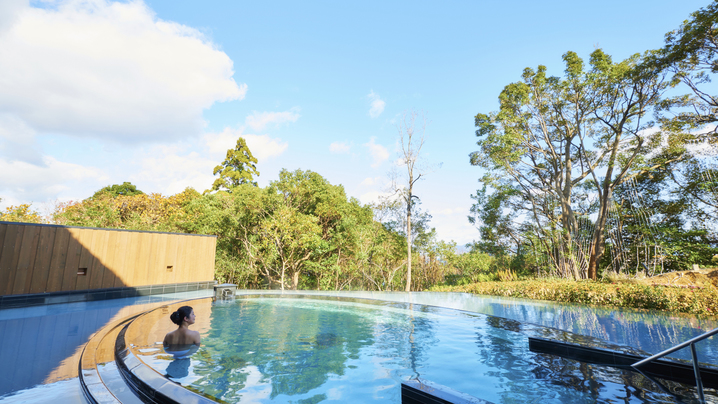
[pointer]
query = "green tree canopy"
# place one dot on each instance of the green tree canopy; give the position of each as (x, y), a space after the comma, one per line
(691, 55)
(558, 147)
(126, 189)
(658, 227)
(238, 168)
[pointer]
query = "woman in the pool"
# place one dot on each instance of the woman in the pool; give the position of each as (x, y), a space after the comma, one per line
(182, 341)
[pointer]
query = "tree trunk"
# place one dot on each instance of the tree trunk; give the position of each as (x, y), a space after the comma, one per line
(408, 241)
(598, 241)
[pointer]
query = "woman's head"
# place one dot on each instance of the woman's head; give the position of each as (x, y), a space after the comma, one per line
(181, 314)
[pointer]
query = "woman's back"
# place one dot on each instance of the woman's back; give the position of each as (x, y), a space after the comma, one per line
(182, 336)
(183, 317)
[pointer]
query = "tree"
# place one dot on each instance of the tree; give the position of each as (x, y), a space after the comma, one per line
(391, 213)
(237, 168)
(306, 228)
(411, 139)
(660, 227)
(499, 230)
(691, 55)
(126, 189)
(556, 143)
(21, 213)
(697, 185)
(137, 212)
(293, 238)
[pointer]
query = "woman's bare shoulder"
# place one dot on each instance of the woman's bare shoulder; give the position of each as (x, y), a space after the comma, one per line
(169, 337)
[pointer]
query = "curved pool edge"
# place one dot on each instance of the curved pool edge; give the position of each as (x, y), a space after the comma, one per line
(93, 361)
(147, 382)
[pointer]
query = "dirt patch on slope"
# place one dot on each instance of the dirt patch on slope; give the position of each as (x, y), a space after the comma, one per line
(701, 277)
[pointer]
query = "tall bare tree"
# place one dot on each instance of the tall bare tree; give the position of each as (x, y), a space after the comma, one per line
(411, 139)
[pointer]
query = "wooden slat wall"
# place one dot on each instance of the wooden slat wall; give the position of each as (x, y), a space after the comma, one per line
(45, 258)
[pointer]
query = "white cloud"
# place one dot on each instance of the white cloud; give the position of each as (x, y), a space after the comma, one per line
(174, 170)
(373, 197)
(339, 147)
(17, 141)
(378, 152)
(109, 69)
(262, 147)
(377, 104)
(371, 181)
(219, 143)
(259, 120)
(169, 169)
(34, 182)
(9, 12)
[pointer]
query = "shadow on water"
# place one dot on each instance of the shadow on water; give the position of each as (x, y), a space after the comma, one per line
(42, 345)
(45, 349)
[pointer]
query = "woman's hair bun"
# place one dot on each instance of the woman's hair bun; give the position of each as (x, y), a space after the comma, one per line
(178, 316)
(175, 317)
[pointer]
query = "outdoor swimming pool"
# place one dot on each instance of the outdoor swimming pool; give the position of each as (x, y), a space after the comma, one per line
(311, 349)
(41, 344)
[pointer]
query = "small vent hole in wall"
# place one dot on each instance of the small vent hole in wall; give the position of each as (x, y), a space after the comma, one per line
(169, 268)
(82, 271)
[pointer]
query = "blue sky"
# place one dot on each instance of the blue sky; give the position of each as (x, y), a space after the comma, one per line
(96, 92)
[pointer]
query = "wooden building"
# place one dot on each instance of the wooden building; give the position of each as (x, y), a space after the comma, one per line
(41, 259)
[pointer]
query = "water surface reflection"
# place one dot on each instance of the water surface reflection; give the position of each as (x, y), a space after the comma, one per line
(311, 349)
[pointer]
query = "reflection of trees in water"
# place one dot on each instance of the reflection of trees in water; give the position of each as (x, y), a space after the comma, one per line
(295, 347)
(403, 340)
(645, 330)
(573, 376)
(622, 384)
(503, 342)
(502, 348)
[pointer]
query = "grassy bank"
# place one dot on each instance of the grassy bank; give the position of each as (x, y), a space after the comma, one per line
(693, 300)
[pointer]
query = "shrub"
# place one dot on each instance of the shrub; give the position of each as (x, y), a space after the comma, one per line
(691, 300)
(506, 275)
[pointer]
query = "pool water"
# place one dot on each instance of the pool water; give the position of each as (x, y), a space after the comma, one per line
(311, 350)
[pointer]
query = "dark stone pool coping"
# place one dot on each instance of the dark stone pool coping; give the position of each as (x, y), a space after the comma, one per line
(92, 384)
(664, 369)
(426, 392)
(149, 385)
(37, 299)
